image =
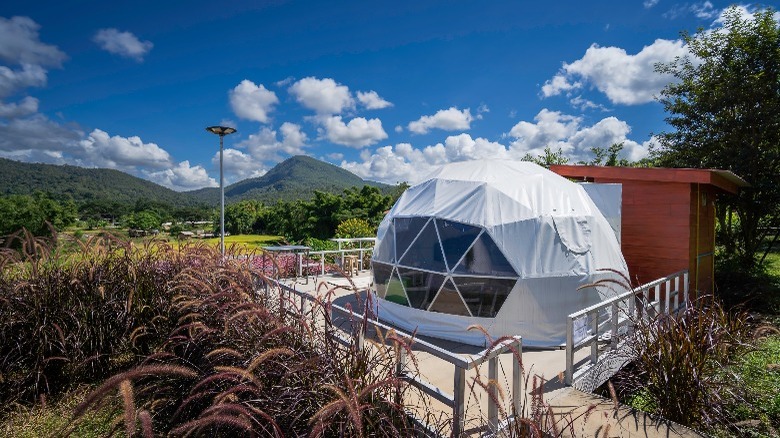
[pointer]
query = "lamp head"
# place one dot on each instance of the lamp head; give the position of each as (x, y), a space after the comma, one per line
(221, 130)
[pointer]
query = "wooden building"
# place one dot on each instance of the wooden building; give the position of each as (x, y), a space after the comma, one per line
(668, 218)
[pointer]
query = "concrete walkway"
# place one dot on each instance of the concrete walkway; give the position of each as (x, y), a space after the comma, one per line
(577, 414)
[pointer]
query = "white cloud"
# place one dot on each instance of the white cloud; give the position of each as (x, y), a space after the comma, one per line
(19, 44)
(252, 102)
(102, 150)
(26, 107)
(324, 96)
(12, 81)
(560, 131)
(238, 166)
(122, 43)
(182, 177)
(584, 104)
(704, 10)
(229, 123)
(359, 132)
(371, 100)
(649, 3)
(36, 135)
(624, 78)
(406, 163)
(265, 145)
(388, 165)
(558, 84)
(550, 128)
(399, 129)
(293, 139)
(450, 119)
(284, 82)
(482, 109)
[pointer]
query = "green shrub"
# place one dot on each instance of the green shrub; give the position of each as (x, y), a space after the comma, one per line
(355, 227)
(680, 367)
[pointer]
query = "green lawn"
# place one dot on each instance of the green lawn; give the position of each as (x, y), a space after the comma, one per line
(246, 241)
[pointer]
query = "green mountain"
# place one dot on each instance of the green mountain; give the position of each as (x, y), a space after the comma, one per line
(84, 185)
(295, 178)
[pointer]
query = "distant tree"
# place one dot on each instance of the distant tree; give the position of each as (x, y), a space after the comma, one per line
(724, 111)
(368, 203)
(99, 209)
(548, 158)
(607, 156)
(397, 191)
(35, 213)
(144, 220)
(355, 227)
(240, 217)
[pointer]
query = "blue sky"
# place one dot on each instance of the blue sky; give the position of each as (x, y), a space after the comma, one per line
(387, 90)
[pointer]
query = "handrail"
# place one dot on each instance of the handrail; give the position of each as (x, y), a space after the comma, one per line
(649, 295)
(322, 253)
(462, 364)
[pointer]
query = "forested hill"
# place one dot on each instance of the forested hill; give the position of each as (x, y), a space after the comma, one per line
(295, 178)
(85, 185)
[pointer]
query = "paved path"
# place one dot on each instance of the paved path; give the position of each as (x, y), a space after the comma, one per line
(577, 414)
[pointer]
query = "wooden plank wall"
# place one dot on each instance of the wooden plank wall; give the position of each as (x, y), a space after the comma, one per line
(702, 239)
(655, 228)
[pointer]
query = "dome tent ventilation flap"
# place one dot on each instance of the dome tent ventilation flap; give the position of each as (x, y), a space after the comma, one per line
(501, 244)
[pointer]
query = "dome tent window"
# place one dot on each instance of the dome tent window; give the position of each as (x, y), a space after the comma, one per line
(472, 260)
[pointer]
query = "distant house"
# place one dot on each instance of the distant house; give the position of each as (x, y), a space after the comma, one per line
(184, 235)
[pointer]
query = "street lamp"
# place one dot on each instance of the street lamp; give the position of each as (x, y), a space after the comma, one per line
(221, 131)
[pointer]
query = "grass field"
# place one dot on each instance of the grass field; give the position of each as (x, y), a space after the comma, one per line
(247, 242)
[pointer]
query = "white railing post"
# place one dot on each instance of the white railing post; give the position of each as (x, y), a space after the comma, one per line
(492, 395)
(594, 328)
(569, 350)
(668, 287)
(517, 380)
(615, 321)
(459, 402)
(676, 293)
(685, 288)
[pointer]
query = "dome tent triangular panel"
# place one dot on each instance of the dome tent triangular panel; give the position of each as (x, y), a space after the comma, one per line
(540, 238)
(456, 238)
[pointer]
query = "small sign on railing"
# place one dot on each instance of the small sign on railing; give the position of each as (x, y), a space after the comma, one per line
(580, 329)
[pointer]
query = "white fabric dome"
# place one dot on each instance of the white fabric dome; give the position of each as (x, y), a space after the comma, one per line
(502, 244)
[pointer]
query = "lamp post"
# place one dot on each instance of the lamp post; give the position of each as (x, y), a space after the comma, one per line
(221, 131)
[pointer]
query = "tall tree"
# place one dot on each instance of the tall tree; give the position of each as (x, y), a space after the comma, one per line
(724, 109)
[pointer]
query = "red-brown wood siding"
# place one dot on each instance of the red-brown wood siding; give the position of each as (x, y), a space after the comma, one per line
(702, 238)
(655, 228)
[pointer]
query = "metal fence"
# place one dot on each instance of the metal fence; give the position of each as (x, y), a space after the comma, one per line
(301, 303)
(609, 322)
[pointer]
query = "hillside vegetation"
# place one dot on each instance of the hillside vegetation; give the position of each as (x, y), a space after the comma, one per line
(84, 185)
(293, 179)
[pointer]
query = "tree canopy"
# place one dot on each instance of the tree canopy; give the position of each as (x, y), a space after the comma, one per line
(724, 111)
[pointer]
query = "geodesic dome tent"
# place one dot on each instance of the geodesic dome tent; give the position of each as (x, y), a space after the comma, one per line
(501, 244)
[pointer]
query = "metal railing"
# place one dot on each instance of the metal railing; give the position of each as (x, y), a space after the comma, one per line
(612, 319)
(456, 400)
(321, 256)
